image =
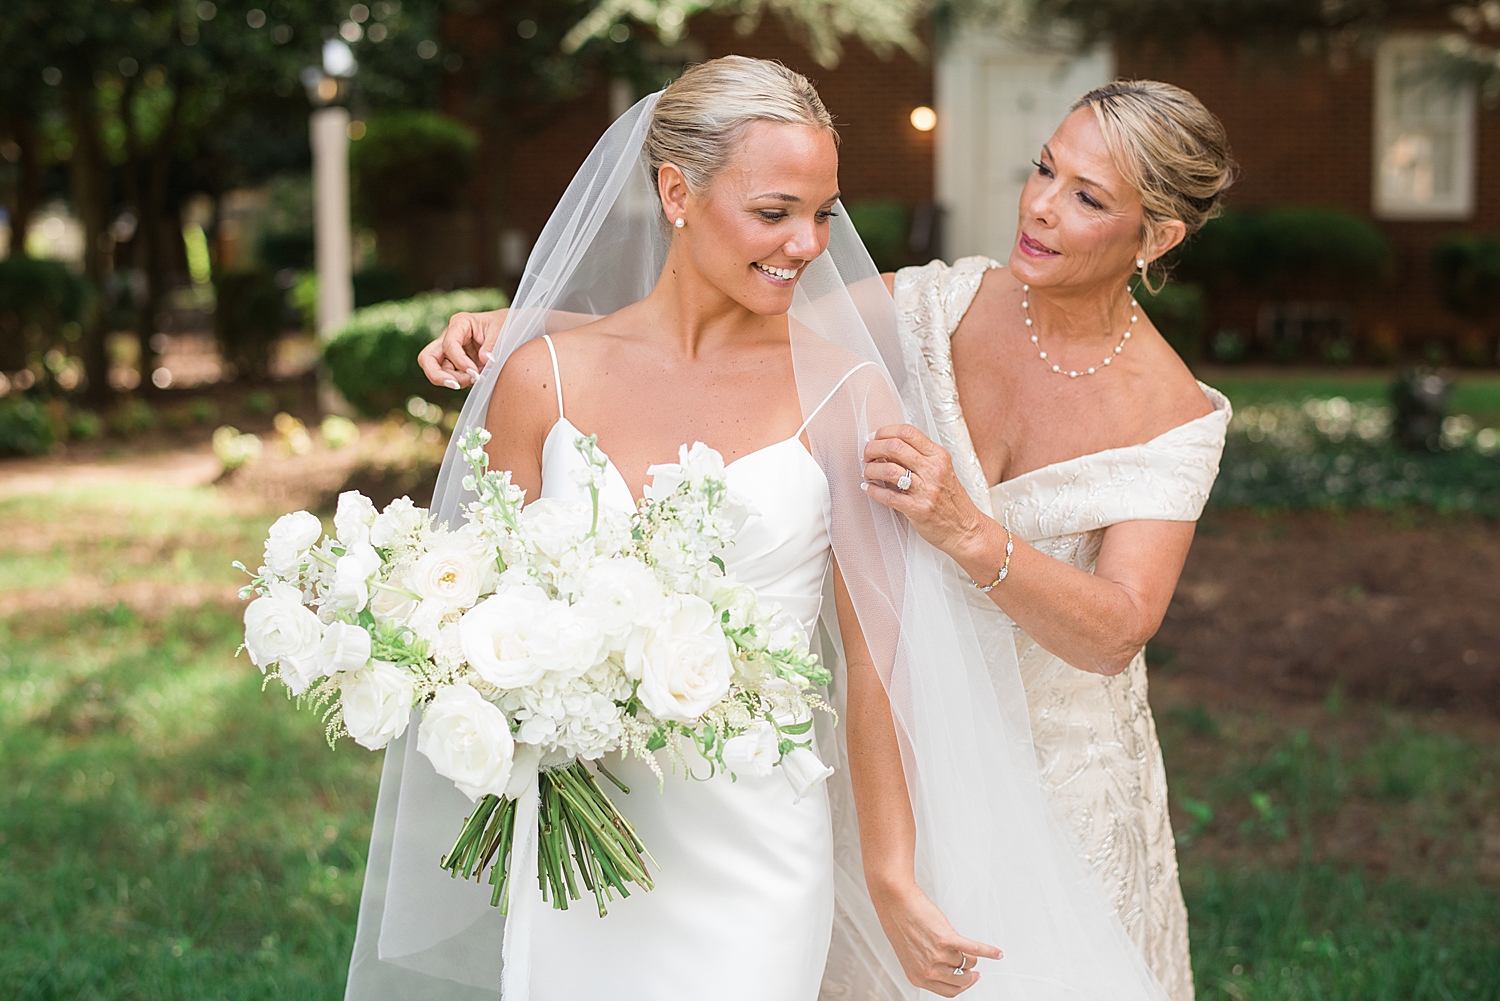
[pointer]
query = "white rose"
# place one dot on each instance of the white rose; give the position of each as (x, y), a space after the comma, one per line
(683, 662)
(389, 605)
(353, 517)
(345, 647)
(279, 629)
(753, 752)
(556, 527)
(621, 594)
(452, 572)
(290, 538)
(351, 578)
(400, 520)
(496, 636)
(468, 741)
(566, 640)
(804, 771)
(377, 704)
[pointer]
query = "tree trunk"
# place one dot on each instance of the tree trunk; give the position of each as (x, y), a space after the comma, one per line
(89, 176)
(147, 174)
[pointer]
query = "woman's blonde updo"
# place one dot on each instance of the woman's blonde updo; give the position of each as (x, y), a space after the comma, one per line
(700, 118)
(1168, 146)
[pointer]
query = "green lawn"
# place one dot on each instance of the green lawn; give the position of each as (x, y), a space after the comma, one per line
(169, 831)
(1475, 394)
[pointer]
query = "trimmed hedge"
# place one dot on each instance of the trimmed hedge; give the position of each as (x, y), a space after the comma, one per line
(25, 427)
(884, 225)
(37, 299)
(373, 359)
(1468, 274)
(1269, 249)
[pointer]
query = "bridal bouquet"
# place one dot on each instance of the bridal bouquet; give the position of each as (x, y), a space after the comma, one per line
(534, 642)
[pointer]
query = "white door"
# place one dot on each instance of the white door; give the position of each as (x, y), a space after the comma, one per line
(997, 103)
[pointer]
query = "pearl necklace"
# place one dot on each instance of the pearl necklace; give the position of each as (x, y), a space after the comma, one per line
(1134, 316)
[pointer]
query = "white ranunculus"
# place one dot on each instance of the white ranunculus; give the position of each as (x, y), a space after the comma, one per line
(400, 520)
(279, 629)
(496, 635)
(453, 572)
(468, 741)
(683, 662)
(291, 536)
(353, 517)
(377, 704)
(804, 771)
(555, 526)
(345, 647)
(351, 578)
(753, 752)
(621, 594)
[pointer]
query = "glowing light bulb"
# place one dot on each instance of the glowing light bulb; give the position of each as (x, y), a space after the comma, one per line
(923, 119)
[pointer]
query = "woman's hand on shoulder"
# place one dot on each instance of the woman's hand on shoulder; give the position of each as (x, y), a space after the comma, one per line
(454, 359)
(931, 951)
(935, 502)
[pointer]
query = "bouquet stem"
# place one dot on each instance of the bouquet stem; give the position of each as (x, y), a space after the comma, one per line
(576, 824)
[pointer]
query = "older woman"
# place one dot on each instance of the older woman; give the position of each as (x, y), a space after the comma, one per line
(1077, 452)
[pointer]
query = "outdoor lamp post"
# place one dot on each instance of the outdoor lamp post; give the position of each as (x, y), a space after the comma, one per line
(327, 85)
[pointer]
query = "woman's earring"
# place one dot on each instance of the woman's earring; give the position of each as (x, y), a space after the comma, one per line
(680, 222)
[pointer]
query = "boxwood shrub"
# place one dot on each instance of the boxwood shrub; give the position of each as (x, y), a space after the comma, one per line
(373, 359)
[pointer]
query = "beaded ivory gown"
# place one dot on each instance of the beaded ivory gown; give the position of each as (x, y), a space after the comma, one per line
(743, 904)
(1095, 737)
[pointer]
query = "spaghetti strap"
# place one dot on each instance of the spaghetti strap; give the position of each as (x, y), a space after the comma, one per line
(557, 378)
(820, 406)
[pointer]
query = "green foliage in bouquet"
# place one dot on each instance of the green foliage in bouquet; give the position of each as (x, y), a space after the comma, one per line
(373, 359)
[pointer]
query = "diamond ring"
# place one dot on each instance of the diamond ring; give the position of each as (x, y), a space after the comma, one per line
(960, 969)
(904, 483)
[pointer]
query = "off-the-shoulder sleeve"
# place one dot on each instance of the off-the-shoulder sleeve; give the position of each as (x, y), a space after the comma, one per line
(1166, 479)
(930, 302)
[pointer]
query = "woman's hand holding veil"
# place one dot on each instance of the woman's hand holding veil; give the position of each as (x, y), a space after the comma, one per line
(934, 501)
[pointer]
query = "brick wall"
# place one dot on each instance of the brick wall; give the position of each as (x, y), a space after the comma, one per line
(881, 155)
(1302, 129)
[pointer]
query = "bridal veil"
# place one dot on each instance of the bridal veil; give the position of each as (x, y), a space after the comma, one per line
(990, 851)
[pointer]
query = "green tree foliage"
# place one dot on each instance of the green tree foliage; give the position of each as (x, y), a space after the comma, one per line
(411, 160)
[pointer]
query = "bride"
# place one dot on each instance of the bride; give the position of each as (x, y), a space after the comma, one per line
(697, 283)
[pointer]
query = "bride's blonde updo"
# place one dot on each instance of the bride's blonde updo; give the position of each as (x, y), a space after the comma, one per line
(1167, 145)
(700, 118)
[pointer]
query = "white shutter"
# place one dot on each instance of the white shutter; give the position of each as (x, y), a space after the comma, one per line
(1424, 135)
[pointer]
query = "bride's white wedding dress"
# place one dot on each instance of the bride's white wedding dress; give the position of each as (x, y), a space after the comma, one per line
(743, 904)
(1095, 738)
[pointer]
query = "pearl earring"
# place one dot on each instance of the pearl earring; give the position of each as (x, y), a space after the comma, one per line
(1140, 262)
(680, 222)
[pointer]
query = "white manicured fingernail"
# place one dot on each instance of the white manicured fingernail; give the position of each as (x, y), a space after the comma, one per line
(474, 374)
(452, 384)
(870, 436)
(484, 356)
(864, 486)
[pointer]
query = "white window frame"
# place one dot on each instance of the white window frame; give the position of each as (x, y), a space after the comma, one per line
(1397, 61)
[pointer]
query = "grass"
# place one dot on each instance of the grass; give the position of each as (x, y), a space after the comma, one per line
(1475, 394)
(169, 831)
(166, 829)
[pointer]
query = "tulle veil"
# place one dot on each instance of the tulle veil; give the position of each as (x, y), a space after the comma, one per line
(991, 851)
